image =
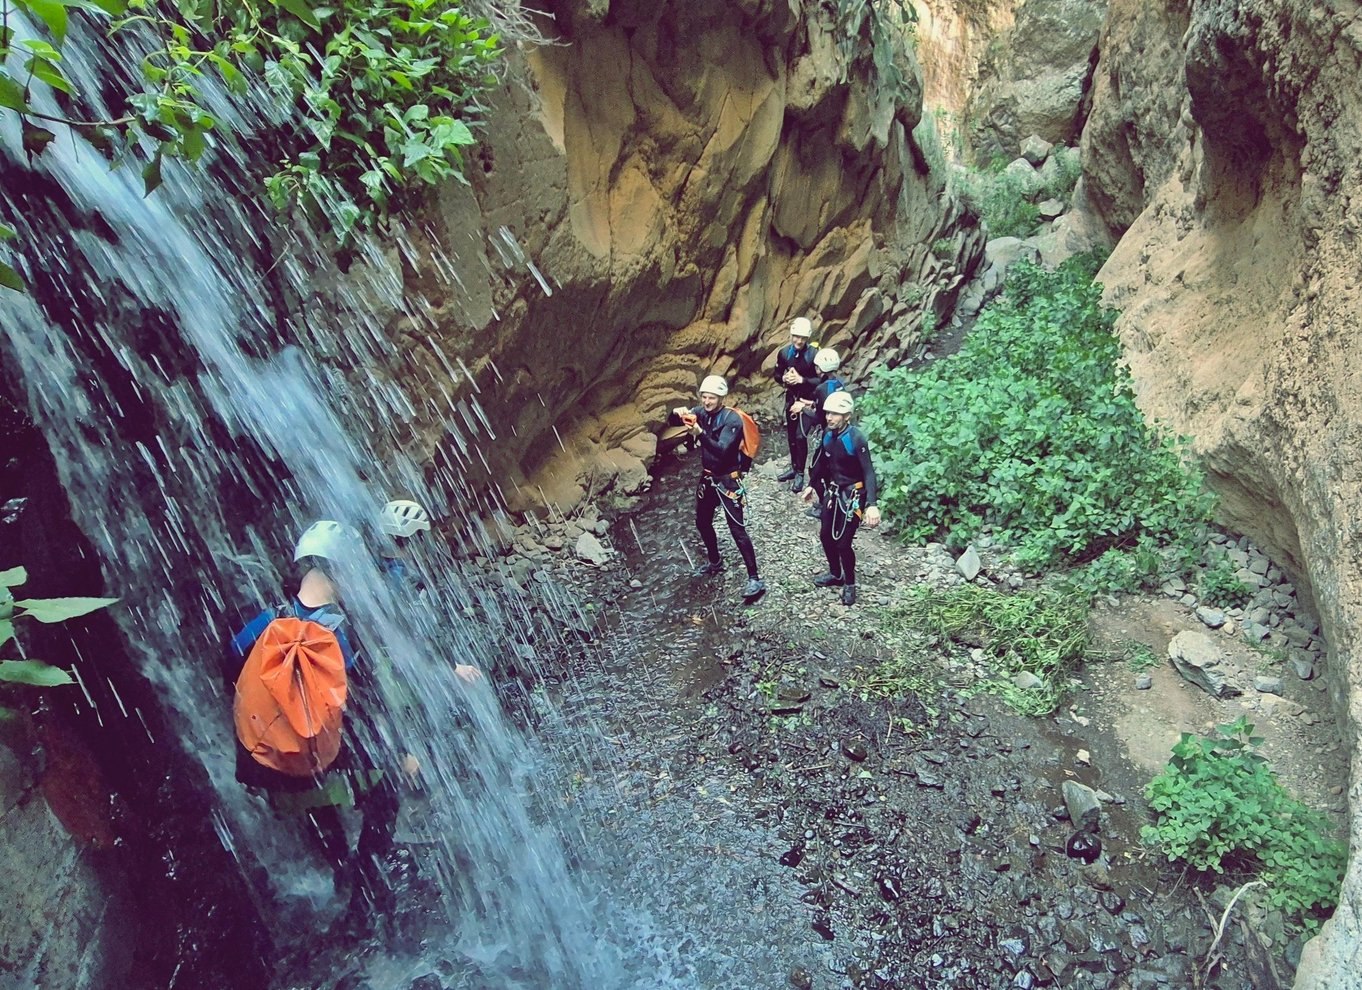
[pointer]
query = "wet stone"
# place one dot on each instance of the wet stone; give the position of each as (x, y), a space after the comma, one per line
(823, 926)
(890, 889)
(1112, 902)
(1143, 682)
(854, 749)
(800, 978)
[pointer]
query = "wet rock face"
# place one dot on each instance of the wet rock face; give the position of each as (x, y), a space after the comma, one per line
(1238, 281)
(683, 178)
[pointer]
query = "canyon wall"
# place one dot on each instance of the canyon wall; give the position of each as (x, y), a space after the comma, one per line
(1224, 147)
(659, 191)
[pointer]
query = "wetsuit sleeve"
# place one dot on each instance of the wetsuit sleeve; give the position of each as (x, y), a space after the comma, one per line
(867, 471)
(728, 438)
(821, 463)
(781, 365)
(349, 646)
(239, 647)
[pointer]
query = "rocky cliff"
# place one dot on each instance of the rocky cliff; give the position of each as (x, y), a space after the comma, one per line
(1224, 146)
(658, 192)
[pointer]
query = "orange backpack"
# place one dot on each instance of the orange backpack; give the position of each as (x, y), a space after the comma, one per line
(290, 697)
(751, 440)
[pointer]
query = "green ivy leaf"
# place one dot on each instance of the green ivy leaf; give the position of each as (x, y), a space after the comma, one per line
(6, 631)
(33, 672)
(36, 138)
(61, 609)
(151, 174)
(14, 576)
(10, 279)
(300, 10)
(12, 94)
(53, 14)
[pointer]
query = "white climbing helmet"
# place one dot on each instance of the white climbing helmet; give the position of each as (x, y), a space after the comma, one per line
(801, 327)
(827, 360)
(839, 402)
(328, 539)
(403, 517)
(714, 385)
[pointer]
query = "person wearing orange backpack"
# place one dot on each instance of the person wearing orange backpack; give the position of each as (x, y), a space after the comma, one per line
(719, 431)
(302, 657)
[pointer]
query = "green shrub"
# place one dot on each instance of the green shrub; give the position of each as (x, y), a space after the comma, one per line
(1001, 199)
(1218, 805)
(1058, 180)
(1220, 585)
(1031, 428)
(1041, 632)
(28, 671)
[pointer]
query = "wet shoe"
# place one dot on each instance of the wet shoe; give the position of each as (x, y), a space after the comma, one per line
(708, 570)
(786, 475)
(798, 484)
(814, 513)
(828, 580)
(848, 594)
(756, 587)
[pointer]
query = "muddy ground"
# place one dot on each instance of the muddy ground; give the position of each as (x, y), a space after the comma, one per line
(925, 833)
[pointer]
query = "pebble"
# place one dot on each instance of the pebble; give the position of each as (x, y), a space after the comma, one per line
(1143, 682)
(1083, 758)
(1268, 684)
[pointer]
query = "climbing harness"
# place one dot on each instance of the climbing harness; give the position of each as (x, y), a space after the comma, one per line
(848, 499)
(738, 496)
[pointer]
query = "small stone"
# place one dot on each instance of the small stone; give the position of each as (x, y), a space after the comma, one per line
(1336, 790)
(800, 978)
(590, 549)
(1303, 667)
(1212, 617)
(854, 749)
(1143, 682)
(1083, 758)
(1081, 804)
(1267, 685)
(636, 583)
(969, 564)
(1027, 681)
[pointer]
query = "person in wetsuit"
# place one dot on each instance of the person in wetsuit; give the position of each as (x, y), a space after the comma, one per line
(795, 370)
(827, 361)
(355, 776)
(719, 431)
(846, 476)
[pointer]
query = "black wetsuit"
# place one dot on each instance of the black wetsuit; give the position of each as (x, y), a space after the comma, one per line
(843, 472)
(720, 484)
(829, 384)
(797, 427)
(374, 791)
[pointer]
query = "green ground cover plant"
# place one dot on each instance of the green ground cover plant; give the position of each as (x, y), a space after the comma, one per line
(1218, 807)
(1032, 429)
(1042, 632)
(1219, 584)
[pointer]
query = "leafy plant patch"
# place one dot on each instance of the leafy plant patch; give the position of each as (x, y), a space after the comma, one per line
(1043, 633)
(1218, 806)
(1032, 429)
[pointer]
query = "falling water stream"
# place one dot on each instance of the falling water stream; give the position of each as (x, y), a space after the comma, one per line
(204, 402)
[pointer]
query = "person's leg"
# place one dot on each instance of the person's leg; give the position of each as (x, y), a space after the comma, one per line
(833, 575)
(378, 807)
(847, 555)
(737, 527)
(794, 437)
(706, 503)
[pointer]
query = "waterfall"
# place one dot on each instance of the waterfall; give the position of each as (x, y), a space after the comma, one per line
(209, 384)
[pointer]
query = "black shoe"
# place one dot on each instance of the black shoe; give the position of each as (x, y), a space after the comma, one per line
(786, 475)
(848, 594)
(798, 484)
(708, 570)
(814, 512)
(756, 587)
(827, 580)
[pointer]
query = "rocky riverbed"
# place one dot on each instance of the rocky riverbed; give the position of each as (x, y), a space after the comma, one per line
(926, 831)
(796, 793)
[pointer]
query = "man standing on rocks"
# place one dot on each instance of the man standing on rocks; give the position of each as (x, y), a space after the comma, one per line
(846, 476)
(796, 371)
(720, 432)
(827, 361)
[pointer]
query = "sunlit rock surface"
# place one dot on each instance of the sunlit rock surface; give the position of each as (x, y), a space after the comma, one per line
(1228, 136)
(656, 195)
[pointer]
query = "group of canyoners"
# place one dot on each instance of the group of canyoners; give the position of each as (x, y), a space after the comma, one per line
(305, 696)
(840, 481)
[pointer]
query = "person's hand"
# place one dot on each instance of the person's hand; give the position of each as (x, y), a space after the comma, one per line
(467, 673)
(808, 493)
(872, 516)
(411, 766)
(695, 429)
(681, 412)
